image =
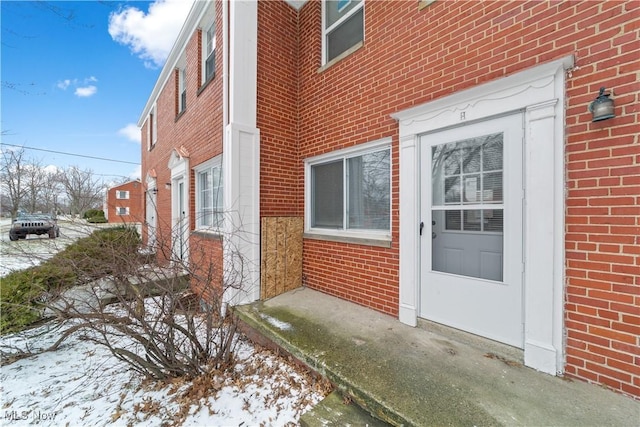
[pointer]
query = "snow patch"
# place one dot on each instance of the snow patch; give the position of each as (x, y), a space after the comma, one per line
(283, 326)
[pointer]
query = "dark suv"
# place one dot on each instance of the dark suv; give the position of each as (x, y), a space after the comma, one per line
(34, 224)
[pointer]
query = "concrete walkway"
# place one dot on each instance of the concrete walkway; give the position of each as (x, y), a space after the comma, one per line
(426, 376)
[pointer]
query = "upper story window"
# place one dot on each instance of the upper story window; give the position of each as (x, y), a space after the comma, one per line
(348, 193)
(209, 195)
(152, 128)
(343, 26)
(182, 89)
(122, 194)
(209, 53)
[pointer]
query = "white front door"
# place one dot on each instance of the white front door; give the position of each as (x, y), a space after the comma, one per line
(151, 215)
(472, 236)
(180, 232)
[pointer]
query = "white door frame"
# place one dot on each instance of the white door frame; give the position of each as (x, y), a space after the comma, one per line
(179, 167)
(151, 213)
(488, 307)
(539, 92)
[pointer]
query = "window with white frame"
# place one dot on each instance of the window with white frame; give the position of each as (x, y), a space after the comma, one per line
(122, 195)
(209, 52)
(182, 89)
(350, 190)
(343, 26)
(209, 195)
(121, 210)
(152, 128)
(154, 125)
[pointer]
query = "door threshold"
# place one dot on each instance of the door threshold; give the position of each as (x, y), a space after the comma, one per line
(490, 347)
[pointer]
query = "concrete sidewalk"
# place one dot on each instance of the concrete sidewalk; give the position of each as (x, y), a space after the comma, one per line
(428, 375)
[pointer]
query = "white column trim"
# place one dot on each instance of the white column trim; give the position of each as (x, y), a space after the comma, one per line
(241, 171)
(241, 153)
(409, 228)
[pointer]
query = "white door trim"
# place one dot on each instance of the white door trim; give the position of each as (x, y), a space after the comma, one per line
(540, 93)
(179, 167)
(151, 213)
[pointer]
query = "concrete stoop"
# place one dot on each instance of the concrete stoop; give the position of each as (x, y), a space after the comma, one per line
(347, 405)
(402, 376)
(335, 410)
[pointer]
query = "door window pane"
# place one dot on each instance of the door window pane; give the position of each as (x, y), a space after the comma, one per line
(492, 187)
(468, 174)
(453, 220)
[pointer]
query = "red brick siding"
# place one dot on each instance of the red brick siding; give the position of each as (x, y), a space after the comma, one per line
(410, 57)
(277, 118)
(207, 267)
(198, 130)
(134, 203)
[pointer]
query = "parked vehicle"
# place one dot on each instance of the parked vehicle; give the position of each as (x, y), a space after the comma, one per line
(38, 224)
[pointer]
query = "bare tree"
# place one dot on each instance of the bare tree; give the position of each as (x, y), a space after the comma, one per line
(51, 191)
(35, 178)
(12, 175)
(83, 192)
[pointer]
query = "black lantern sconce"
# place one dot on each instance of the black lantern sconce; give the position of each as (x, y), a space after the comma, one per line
(153, 190)
(602, 108)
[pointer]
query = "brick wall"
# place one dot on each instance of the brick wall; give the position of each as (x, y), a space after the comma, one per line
(198, 130)
(134, 203)
(602, 315)
(277, 119)
(412, 56)
(207, 267)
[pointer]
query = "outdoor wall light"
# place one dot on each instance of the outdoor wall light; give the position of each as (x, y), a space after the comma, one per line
(167, 186)
(153, 191)
(602, 107)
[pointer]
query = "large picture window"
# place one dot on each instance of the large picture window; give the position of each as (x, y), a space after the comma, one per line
(350, 191)
(343, 26)
(209, 195)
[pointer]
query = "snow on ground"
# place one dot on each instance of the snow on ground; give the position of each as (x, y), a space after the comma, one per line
(82, 384)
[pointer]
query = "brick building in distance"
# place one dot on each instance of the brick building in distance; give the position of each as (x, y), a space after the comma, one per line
(123, 203)
(442, 156)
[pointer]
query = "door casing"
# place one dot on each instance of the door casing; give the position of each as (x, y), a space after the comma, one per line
(540, 93)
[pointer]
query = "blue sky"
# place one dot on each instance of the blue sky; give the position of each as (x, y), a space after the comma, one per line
(76, 76)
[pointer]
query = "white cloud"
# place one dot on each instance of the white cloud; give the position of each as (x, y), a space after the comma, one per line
(131, 132)
(150, 35)
(64, 84)
(86, 91)
(51, 169)
(83, 87)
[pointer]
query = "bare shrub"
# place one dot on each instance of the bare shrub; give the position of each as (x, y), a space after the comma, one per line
(175, 314)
